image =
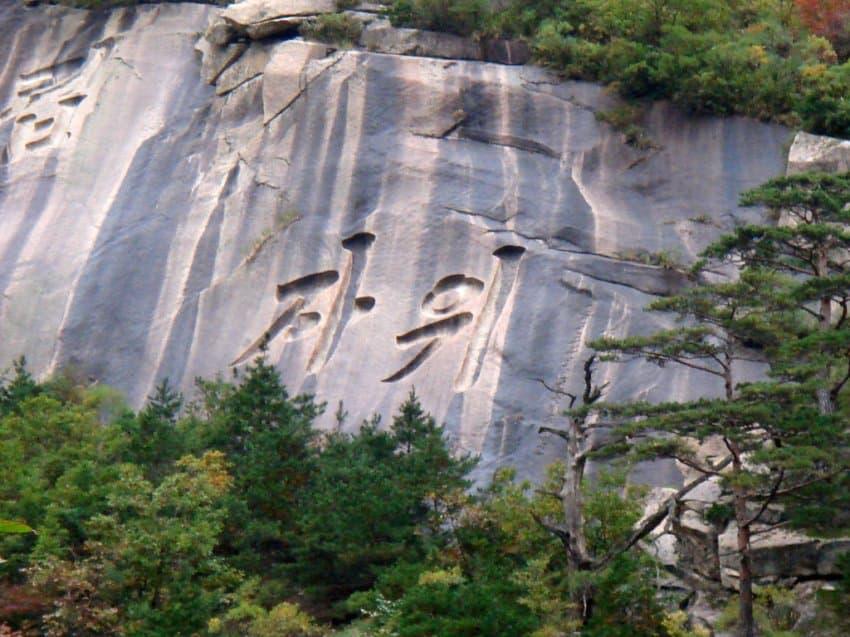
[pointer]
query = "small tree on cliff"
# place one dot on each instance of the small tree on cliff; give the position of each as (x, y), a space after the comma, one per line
(781, 436)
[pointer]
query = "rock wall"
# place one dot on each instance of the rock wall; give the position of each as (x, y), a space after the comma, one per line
(380, 222)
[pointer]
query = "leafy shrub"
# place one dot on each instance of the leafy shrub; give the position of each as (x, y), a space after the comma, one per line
(461, 17)
(333, 28)
(825, 105)
(774, 610)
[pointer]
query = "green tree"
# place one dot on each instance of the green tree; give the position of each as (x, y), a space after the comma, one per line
(806, 246)
(21, 386)
(148, 567)
(374, 500)
(782, 436)
(270, 440)
(55, 464)
(152, 440)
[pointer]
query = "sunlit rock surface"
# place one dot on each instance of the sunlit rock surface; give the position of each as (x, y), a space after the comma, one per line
(378, 222)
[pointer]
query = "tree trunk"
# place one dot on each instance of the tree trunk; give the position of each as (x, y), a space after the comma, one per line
(571, 498)
(825, 402)
(746, 623)
(573, 505)
(745, 571)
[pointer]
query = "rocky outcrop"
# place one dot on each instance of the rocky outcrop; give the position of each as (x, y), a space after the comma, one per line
(383, 222)
(263, 19)
(815, 152)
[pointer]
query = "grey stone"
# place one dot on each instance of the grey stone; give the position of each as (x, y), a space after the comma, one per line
(221, 33)
(152, 228)
(816, 152)
(285, 76)
(783, 553)
(261, 19)
(274, 27)
(247, 66)
(506, 51)
(693, 521)
(382, 38)
(217, 59)
(255, 12)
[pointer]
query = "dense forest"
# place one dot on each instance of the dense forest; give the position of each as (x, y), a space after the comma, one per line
(230, 514)
(779, 60)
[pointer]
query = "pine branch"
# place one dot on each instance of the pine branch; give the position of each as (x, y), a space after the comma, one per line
(560, 392)
(770, 498)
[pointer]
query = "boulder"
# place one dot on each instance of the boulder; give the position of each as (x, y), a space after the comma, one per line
(254, 12)
(260, 19)
(383, 38)
(273, 27)
(816, 152)
(781, 553)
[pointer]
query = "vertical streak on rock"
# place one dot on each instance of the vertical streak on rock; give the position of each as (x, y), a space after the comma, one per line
(343, 305)
(323, 343)
(501, 286)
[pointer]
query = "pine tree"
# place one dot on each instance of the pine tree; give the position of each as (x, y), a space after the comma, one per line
(152, 439)
(782, 435)
(19, 388)
(270, 439)
(374, 500)
(807, 245)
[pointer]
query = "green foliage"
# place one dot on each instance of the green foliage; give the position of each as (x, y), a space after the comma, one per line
(394, 486)
(269, 439)
(462, 17)
(151, 439)
(249, 618)
(340, 29)
(10, 526)
(499, 551)
(148, 565)
(53, 453)
(19, 388)
(824, 107)
(707, 56)
(481, 608)
(775, 612)
(148, 523)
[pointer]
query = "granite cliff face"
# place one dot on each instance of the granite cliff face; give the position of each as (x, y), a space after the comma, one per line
(169, 204)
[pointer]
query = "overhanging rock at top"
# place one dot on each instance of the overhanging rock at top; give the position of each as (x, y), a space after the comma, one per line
(258, 19)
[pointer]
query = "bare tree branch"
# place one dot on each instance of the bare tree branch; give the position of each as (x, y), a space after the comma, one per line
(770, 498)
(652, 521)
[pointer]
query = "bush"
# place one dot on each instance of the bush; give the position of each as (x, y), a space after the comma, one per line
(340, 29)
(825, 103)
(461, 17)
